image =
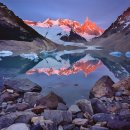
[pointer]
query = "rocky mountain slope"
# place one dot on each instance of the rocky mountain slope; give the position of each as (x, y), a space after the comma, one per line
(64, 28)
(117, 36)
(16, 35)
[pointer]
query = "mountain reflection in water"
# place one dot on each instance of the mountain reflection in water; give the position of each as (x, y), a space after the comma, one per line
(86, 67)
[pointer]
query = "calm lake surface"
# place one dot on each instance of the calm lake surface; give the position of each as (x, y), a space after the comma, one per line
(70, 74)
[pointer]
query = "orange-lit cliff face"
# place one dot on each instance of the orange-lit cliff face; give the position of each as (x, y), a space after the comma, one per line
(86, 67)
(88, 27)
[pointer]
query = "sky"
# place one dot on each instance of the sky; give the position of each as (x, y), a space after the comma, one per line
(102, 12)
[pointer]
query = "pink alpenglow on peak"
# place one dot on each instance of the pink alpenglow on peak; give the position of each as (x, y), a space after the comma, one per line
(88, 29)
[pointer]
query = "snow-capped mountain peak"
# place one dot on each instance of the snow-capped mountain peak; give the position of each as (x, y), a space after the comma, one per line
(88, 29)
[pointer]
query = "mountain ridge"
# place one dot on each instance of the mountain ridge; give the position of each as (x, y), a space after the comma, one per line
(85, 30)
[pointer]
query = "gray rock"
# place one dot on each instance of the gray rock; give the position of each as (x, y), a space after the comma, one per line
(22, 106)
(58, 116)
(101, 117)
(62, 107)
(6, 96)
(98, 128)
(18, 126)
(118, 124)
(15, 117)
(51, 101)
(11, 108)
(69, 127)
(4, 105)
(85, 106)
(122, 84)
(74, 109)
(22, 85)
(98, 106)
(36, 127)
(103, 87)
(31, 98)
(80, 122)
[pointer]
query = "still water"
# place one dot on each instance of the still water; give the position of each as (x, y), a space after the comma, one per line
(70, 74)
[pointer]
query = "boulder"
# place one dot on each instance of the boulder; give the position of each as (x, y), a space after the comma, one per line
(18, 126)
(103, 87)
(58, 116)
(98, 106)
(22, 85)
(51, 101)
(15, 117)
(85, 106)
(103, 117)
(74, 109)
(122, 84)
(6, 96)
(118, 124)
(32, 97)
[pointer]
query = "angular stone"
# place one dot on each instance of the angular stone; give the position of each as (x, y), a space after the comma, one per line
(11, 108)
(74, 109)
(31, 98)
(51, 101)
(58, 116)
(122, 84)
(85, 106)
(103, 87)
(6, 96)
(22, 85)
(18, 126)
(98, 106)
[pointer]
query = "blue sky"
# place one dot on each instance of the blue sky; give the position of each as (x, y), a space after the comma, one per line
(103, 12)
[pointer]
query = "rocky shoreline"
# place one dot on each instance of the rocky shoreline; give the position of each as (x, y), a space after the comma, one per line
(23, 107)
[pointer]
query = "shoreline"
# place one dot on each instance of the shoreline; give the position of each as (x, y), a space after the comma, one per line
(23, 107)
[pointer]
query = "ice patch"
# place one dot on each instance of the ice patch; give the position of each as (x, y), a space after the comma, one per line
(5, 53)
(94, 48)
(127, 24)
(127, 54)
(116, 54)
(31, 56)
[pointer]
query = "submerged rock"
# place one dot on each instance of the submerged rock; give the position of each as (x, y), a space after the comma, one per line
(22, 85)
(103, 87)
